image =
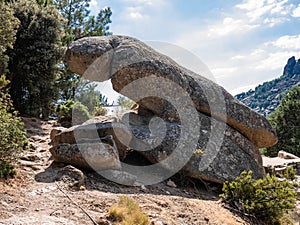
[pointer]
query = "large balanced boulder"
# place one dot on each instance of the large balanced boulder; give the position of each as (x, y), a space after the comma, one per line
(182, 121)
(126, 60)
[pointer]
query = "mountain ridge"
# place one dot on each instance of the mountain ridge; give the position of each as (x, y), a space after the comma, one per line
(265, 98)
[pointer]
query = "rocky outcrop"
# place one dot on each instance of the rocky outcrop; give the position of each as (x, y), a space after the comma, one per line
(236, 152)
(125, 60)
(95, 156)
(92, 132)
(289, 67)
(215, 138)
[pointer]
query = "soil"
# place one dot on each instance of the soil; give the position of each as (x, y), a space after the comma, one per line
(34, 196)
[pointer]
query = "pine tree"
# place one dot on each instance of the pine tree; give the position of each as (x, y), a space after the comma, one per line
(286, 121)
(33, 61)
(8, 30)
(78, 23)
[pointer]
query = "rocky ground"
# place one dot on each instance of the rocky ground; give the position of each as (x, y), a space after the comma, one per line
(35, 197)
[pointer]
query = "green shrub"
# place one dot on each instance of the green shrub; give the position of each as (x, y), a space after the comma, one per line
(290, 173)
(12, 136)
(71, 113)
(100, 111)
(268, 199)
(6, 170)
(80, 114)
(64, 111)
(127, 212)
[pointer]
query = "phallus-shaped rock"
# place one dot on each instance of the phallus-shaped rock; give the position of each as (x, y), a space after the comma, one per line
(135, 69)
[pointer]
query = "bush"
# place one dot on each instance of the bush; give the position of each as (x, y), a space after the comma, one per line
(268, 199)
(12, 136)
(80, 114)
(71, 113)
(127, 212)
(100, 111)
(290, 173)
(6, 170)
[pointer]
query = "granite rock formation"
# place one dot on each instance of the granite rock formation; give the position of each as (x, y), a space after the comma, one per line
(216, 142)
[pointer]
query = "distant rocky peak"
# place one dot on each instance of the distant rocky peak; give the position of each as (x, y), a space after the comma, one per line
(297, 68)
(292, 67)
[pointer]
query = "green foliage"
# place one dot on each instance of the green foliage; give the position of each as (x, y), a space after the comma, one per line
(64, 111)
(12, 136)
(127, 212)
(286, 121)
(198, 152)
(6, 170)
(100, 111)
(8, 30)
(268, 199)
(290, 173)
(70, 113)
(33, 61)
(87, 95)
(125, 102)
(267, 96)
(80, 114)
(78, 23)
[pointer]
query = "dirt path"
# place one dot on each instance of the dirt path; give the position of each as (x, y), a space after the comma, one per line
(34, 197)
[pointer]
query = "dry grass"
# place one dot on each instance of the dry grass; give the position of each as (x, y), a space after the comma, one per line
(128, 212)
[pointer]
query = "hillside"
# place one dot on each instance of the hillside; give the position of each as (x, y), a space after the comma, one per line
(266, 97)
(35, 196)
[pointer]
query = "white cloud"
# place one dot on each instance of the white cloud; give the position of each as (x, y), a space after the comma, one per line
(296, 11)
(229, 26)
(274, 60)
(258, 53)
(223, 72)
(237, 57)
(243, 89)
(134, 13)
(271, 22)
(288, 42)
(250, 4)
(93, 3)
(272, 12)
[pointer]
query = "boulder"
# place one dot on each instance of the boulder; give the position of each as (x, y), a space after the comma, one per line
(234, 155)
(56, 131)
(95, 156)
(135, 68)
(71, 175)
(93, 133)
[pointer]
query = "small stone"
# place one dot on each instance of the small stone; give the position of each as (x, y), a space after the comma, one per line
(82, 188)
(72, 175)
(170, 183)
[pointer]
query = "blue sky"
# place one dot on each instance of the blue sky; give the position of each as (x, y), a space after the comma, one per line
(243, 42)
